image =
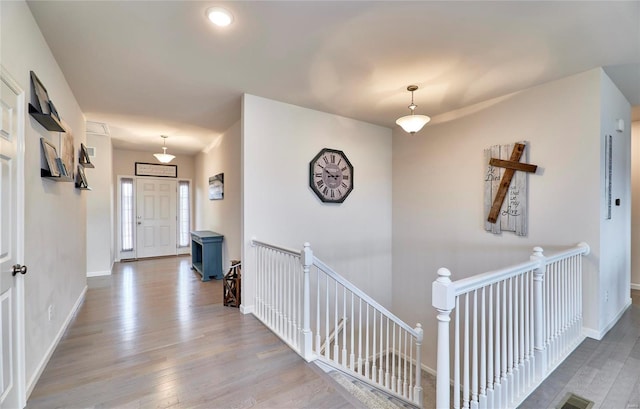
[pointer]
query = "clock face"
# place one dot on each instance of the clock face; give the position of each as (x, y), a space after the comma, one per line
(331, 176)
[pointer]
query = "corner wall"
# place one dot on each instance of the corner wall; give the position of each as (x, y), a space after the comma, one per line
(222, 216)
(438, 192)
(55, 212)
(278, 142)
(615, 233)
(635, 201)
(100, 207)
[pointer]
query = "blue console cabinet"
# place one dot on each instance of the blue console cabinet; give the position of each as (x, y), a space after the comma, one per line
(206, 254)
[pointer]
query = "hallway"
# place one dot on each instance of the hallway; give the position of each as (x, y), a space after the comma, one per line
(152, 335)
(606, 372)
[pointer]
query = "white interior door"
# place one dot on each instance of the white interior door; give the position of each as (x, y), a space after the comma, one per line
(156, 217)
(11, 285)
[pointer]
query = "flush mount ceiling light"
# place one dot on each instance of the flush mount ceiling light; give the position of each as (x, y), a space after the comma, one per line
(164, 157)
(219, 16)
(412, 123)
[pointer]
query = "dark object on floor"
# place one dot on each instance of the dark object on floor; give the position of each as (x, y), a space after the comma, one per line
(232, 281)
(572, 401)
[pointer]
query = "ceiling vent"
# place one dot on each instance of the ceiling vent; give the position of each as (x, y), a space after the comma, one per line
(97, 128)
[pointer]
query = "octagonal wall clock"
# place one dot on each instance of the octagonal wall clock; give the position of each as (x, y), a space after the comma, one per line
(331, 176)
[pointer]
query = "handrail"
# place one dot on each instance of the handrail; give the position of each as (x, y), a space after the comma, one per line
(510, 328)
(467, 284)
(304, 301)
(255, 242)
(351, 287)
(464, 285)
(581, 248)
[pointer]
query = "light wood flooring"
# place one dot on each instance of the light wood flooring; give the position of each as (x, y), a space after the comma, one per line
(152, 335)
(606, 372)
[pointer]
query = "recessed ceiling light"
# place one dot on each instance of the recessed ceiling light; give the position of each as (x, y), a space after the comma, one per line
(219, 16)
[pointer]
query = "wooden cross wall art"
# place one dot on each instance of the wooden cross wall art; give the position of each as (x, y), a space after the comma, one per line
(505, 188)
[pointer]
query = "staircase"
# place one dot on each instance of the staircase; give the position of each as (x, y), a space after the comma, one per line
(511, 328)
(325, 318)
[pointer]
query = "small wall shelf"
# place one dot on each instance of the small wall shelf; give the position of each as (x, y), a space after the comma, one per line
(48, 121)
(45, 174)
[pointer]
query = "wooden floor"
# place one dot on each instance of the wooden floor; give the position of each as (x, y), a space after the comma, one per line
(606, 372)
(152, 335)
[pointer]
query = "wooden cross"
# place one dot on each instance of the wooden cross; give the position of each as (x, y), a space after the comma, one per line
(510, 166)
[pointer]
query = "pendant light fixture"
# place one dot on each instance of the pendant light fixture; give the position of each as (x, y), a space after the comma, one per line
(412, 123)
(164, 157)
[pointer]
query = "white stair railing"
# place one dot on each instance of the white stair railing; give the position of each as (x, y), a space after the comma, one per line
(323, 316)
(511, 328)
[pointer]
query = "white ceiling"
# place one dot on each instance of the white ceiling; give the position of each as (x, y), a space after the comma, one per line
(148, 68)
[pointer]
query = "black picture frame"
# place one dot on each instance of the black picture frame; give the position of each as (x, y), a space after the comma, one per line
(83, 157)
(50, 154)
(40, 96)
(156, 170)
(82, 178)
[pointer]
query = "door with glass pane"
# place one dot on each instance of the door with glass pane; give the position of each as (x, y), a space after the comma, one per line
(134, 212)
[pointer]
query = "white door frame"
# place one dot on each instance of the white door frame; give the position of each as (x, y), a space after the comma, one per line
(19, 245)
(133, 254)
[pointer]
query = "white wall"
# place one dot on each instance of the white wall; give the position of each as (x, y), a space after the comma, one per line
(278, 142)
(438, 191)
(100, 207)
(124, 163)
(615, 234)
(635, 201)
(222, 216)
(55, 213)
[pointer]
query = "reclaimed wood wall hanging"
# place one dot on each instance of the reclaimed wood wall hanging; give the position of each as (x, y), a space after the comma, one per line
(505, 188)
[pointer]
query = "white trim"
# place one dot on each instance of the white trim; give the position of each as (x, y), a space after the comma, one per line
(98, 273)
(247, 309)
(635, 286)
(598, 335)
(20, 183)
(430, 371)
(119, 253)
(47, 356)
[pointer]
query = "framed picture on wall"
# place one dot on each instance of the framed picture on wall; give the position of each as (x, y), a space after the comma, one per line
(50, 155)
(216, 187)
(154, 169)
(40, 97)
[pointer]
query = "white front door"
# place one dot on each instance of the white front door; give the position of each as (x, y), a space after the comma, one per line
(11, 284)
(155, 217)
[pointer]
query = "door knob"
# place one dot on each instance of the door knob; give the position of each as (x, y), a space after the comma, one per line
(17, 268)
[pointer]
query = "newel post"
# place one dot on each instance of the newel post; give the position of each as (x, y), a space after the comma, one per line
(417, 389)
(443, 300)
(306, 347)
(540, 355)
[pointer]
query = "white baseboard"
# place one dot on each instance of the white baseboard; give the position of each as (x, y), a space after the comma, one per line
(429, 370)
(246, 309)
(635, 286)
(98, 273)
(47, 356)
(598, 335)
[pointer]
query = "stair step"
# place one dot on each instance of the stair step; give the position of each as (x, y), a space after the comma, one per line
(371, 397)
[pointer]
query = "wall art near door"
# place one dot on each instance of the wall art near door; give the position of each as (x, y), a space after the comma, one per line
(153, 169)
(216, 187)
(506, 188)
